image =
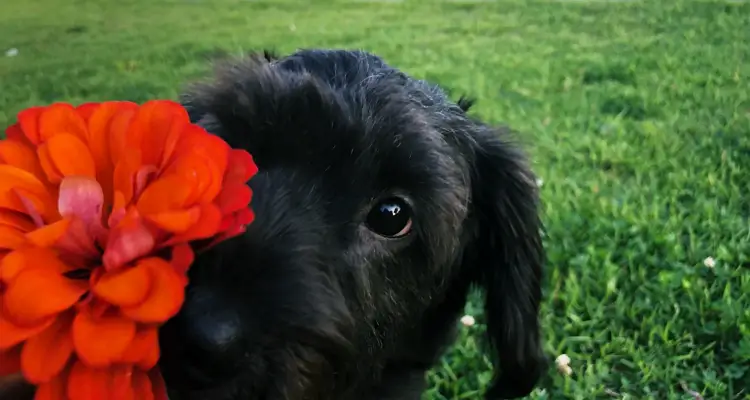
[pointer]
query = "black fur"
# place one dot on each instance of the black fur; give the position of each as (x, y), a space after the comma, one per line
(309, 304)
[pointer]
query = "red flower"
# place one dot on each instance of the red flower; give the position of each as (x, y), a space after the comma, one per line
(101, 207)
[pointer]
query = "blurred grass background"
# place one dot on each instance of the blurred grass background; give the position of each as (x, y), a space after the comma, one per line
(637, 115)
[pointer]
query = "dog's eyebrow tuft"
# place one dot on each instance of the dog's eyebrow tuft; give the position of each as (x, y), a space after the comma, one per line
(465, 102)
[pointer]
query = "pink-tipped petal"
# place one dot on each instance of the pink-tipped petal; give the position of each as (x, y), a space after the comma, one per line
(143, 177)
(31, 208)
(81, 197)
(127, 241)
(79, 240)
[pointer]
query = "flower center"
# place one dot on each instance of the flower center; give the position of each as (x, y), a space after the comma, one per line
(78, 274)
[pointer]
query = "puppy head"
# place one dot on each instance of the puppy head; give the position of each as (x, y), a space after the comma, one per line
(374, 196)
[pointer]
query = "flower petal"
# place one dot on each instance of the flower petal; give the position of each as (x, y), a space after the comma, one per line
(100, 127)
(11, 264)
(165, 297)
(182, 258)
(25, 306)
(144, 349)
(61, 118)
(207, 225)
(201, 156)
(234, 196)
(91, 304)
(20, 155)
(86, 110)
(53, 389)
(11, 238)
(100, 123)
(86, 383)
(125, 173)
(100, 342)
(176, 221)
(10, 361)
(240, 167)
(78, 240)
(142, 386)
(118, 133)
(45, 355)
(28, 119)
(81, 197)
(49, 235)
(122, 383)
(17, 260)
(13, 177)
(196, 173)
(127, 241)
(126, 287)
(52, 174)
(118, 209)
(245, 217)
(16, 220)
(169, 193)
(12, 180)
(159, 388)
(40, 208)
(14, 334)
(155, 129)
(195, 141)
(70, 156)
(233, 225)
(143, 178)
(14, 132)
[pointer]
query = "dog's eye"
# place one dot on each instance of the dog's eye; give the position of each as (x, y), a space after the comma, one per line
(390, 218)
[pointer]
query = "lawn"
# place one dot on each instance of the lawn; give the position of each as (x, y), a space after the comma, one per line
(637, 115)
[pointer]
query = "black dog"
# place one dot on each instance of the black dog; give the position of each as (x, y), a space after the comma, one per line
(379, 204)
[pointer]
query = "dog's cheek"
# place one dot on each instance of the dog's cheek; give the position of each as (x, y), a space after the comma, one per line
(301, 372)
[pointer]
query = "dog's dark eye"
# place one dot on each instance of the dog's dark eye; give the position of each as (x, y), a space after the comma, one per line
(390, 218)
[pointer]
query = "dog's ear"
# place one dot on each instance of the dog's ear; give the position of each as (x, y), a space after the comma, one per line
(207, 102)
(508, 258)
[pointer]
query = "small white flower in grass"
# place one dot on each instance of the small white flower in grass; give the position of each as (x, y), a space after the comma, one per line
(468, 320)
(563, 364)
(709, 262)
(539, 182)
(11, 52)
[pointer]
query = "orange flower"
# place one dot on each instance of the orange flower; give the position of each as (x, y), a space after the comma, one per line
(101, 208)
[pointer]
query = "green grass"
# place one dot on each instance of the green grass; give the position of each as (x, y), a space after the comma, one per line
(637, 115)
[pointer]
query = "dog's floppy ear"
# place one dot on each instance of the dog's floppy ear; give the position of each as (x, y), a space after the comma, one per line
(508, 257)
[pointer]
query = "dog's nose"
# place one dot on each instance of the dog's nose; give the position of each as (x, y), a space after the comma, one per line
(203, 344)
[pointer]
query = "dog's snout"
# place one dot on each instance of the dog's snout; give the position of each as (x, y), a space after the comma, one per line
(203, 344)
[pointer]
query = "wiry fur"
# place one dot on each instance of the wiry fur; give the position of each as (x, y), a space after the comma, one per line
(309, 304)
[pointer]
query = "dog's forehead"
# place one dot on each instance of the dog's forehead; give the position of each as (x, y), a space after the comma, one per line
(346, 116)
(363, 130)
(359, 139)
